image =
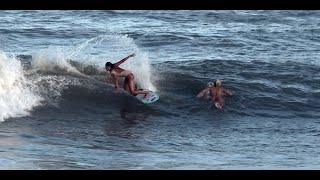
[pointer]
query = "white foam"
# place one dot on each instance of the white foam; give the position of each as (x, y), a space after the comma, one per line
(53, 60)
(50, 87)
(16, 95)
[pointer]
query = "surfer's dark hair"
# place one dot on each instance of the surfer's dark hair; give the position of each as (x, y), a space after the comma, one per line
(109, 64)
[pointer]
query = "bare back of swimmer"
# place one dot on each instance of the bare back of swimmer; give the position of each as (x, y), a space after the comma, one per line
(216, 92)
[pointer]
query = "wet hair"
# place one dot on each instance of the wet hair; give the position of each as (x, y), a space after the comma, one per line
(109, 64)
(215, 82)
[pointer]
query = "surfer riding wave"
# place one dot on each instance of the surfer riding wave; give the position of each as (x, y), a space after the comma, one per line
(117, 72)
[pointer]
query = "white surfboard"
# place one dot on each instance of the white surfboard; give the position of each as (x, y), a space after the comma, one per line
(151, 99)
(217, 105)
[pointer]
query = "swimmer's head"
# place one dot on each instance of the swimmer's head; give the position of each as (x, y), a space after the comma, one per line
(217, 83)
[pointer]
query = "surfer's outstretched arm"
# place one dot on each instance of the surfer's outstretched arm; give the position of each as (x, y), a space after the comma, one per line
(124, 59)
(201, 93)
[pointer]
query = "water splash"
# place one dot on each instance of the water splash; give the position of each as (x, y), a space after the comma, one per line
(114, 47)
(16, 95)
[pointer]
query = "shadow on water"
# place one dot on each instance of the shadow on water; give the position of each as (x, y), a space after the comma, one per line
(128, 121)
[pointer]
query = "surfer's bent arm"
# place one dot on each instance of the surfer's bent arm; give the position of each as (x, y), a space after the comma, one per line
(115, 80)
(200, 94)
(227, 92)
(123, 60)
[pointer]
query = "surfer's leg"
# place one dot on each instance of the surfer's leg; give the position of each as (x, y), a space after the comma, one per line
(131, 86)
(126, 85)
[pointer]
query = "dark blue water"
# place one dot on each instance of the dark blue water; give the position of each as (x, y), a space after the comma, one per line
(59, 110)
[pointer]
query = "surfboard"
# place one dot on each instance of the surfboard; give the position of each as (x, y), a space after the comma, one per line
(151, 99)
(217, 105)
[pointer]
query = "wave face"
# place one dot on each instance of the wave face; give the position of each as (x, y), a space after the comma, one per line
(282, 90)
(48, 72)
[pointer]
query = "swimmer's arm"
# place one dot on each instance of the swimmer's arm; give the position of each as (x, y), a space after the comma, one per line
(227, 92)
(123, 60)
(200, 94)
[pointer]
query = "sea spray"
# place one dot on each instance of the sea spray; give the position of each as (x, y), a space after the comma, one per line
(16, 95)
(52, 60)
(114, 47)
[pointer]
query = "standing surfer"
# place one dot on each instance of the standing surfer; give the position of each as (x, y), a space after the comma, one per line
(117, 72)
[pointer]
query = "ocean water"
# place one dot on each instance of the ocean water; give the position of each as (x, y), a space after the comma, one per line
(59, 109)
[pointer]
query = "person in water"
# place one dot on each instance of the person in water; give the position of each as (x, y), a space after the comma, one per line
(216, 91)
(117, 72)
